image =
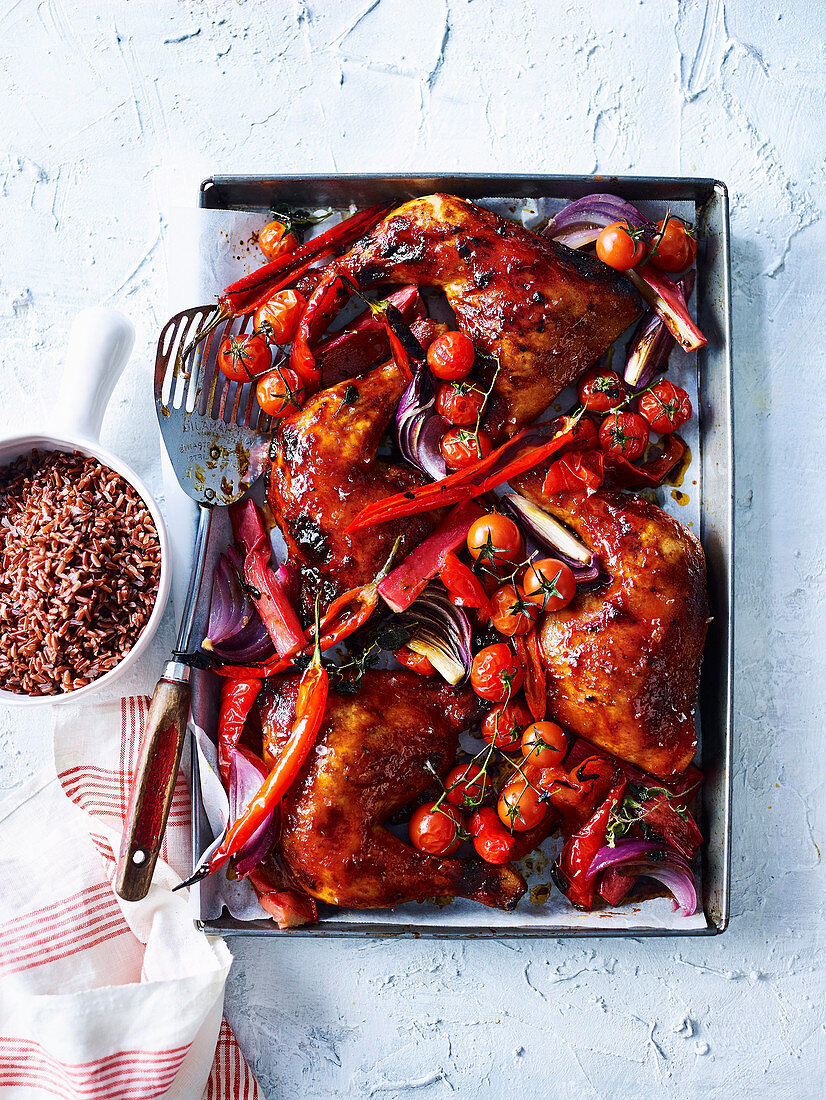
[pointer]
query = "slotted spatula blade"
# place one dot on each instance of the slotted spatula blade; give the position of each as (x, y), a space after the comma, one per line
(217, 440)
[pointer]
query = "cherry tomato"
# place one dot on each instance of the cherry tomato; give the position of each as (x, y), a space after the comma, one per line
(666, 407)
(460, 403)
(601, 389)
(280, 393)
(624, 434)
(467, 785)
(675, 247)
(282, 313)
(490, 839)
(512, 613)
(519, 807)
(549, 584)
(243, 358)
(585, 433)
(416, 662)
(621, 246)
(274, 240)
(461, 447)
(451, 356)
(544, 744)
(495, 540)
(495, 674)
(483, 820)
(436, 830)
(503, 725)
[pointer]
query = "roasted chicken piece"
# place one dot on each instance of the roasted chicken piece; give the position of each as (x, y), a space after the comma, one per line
(546, 311)
(624, 660)
(324, 470)
(369, 762)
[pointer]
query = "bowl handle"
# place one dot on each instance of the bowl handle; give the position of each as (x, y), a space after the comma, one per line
(99, 346)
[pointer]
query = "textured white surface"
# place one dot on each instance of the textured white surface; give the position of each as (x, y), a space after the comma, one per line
(111, 111)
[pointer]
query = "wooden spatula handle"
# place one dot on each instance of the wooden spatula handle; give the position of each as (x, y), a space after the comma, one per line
(151, 798)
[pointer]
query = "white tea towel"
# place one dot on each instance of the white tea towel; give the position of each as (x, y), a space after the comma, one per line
(99, 997)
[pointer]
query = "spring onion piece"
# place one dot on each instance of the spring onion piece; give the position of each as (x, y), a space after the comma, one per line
(439, 631)
(418, 428)
(643, 859)
(581, 222)
(246, 774)
(651, 344)
(549, 530)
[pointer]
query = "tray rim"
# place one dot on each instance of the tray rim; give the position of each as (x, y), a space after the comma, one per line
(702, 190)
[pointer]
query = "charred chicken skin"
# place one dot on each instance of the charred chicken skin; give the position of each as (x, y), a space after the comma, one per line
(545, 311)
(369, 762)
(324, 470)
(624, 659)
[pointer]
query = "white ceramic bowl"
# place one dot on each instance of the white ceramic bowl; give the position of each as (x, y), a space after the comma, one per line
(99, 346)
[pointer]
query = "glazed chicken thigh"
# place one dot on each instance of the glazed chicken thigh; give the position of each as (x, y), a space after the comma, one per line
(324, 470)
(368, 762)
(547, 312)
(624, 660)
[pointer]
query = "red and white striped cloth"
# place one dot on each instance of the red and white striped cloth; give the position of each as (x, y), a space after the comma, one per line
(103, 999)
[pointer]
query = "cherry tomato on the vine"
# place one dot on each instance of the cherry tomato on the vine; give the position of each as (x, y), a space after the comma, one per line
(460, 403)
(600, 389)
(466, 785)
(495, 673)
(675, 246)
(624, 434)
(503, 725)
(282, 313)
(274, 240)
(621, 246)
(495, 540)
(280, 393)
(416, 662)
(519, 807)
(451, 356)
(666, 407)
(438, 830)
(512, 613)
(549, 584)
(544, 744)
(493, 843)
(462, 447)
(243, 358)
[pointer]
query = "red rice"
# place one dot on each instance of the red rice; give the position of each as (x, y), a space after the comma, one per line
(80, 564)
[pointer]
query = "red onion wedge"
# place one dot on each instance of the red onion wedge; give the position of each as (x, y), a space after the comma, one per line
(668, 301)
(536, 523)
(419, 429)
(246, 775)
(439, 631)
(581, 222)
(235, 631)
(650, 346)
(645, 859)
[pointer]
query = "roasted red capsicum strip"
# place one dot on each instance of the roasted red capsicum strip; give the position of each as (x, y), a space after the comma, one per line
(527, 650)
(309, 715)
(237, 698)
(323, 304)
(247, 294)
(579, 851)
(512, 458)
(463, 586)
(408, 580)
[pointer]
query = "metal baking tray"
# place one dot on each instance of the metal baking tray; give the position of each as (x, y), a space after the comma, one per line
(713, 304)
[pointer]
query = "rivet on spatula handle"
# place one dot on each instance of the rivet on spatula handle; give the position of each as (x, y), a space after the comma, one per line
(154, 783)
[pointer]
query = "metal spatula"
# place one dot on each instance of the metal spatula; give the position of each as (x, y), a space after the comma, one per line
(217, 439)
